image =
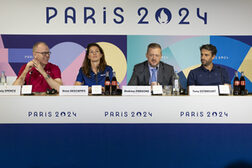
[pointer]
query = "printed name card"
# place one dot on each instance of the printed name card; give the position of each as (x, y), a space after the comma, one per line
(224, 89)
(157, 90)
(26, 89)
(96, 89)
(203, 91)
(73, 91)
(136, 91)
(10, 90)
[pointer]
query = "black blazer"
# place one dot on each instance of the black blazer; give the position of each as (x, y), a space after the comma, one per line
(141, 74)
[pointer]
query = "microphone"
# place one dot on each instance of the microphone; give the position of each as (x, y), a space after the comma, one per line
(222, 80)
(221, 71)
(31, 71)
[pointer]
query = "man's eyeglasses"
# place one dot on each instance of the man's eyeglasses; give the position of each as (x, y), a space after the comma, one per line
(44, 53)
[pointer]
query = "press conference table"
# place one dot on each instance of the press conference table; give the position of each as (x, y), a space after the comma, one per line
(125, 131)
(126, 109)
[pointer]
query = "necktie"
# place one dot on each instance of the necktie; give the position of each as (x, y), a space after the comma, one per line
(153, 75)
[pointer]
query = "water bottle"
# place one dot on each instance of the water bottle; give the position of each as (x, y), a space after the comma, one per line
(3, 79)
(176, 85)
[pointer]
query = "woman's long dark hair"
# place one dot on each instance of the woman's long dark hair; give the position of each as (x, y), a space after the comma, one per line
(86, 65)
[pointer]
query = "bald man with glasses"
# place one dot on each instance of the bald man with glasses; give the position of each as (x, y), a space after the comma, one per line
(40, 73)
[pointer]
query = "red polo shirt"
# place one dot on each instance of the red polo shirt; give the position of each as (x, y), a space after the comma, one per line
(38, 82)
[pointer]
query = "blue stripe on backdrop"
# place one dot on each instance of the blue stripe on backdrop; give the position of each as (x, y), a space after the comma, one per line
(124, 145)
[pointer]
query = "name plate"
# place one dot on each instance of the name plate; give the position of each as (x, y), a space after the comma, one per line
(10, 90)
(73, 91)
(157, 90)
(96, 89)
(203, 91)
(26, 89)
(136, 91)
(224, 89)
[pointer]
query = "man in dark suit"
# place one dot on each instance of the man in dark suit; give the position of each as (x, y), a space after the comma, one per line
(153, 71)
